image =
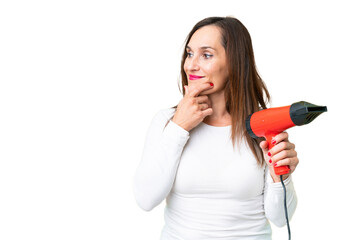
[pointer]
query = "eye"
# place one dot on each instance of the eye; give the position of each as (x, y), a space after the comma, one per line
(189, 54)
(207, 55)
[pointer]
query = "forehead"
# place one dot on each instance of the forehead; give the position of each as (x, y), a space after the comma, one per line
(206, 36)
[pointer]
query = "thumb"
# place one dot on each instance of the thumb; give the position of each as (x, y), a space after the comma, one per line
(186, 90)
(264, 146)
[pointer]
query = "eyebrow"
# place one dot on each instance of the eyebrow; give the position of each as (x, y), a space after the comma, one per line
(204, 47)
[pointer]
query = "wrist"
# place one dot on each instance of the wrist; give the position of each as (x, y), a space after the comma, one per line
(180, 125)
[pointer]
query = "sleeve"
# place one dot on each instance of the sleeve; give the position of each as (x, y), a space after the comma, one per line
(154, 177)
(274, 199)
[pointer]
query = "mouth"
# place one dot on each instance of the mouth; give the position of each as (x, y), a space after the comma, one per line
(194, 77)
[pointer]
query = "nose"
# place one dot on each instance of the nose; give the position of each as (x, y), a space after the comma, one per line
(192, 64)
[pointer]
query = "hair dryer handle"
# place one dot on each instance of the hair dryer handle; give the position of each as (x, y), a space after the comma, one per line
(281, 170)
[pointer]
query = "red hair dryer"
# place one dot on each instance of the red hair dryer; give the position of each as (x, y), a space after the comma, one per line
(272, 121)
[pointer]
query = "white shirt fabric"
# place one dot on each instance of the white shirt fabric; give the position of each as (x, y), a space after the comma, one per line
(212, 190)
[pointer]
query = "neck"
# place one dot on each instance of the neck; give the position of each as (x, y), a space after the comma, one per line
(219, 117)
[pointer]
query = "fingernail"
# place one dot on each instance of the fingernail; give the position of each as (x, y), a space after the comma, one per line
(269, 154)
(273, 142)
(275, 164)
(270, 161)
(211, 84)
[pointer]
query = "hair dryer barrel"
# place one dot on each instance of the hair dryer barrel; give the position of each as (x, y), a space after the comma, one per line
(272, 121)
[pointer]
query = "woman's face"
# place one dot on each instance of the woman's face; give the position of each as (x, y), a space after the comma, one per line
(206, 59)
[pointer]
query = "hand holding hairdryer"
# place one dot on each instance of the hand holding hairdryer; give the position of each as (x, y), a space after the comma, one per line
(272, 121)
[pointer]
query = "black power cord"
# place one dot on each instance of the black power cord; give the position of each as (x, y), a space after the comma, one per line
(285, 207)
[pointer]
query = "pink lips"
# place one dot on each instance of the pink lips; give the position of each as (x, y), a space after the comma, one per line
(194, 77)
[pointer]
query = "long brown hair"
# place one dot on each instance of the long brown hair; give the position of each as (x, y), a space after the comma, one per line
(244, 90)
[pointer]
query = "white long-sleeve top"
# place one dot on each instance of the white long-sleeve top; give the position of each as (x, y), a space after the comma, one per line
(212, 190)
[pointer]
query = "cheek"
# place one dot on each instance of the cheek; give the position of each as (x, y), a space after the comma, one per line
(218, 72)
(223, 71)
(210, 69)
(186, 65)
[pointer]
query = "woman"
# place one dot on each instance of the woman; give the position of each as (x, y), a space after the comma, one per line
(218, 182)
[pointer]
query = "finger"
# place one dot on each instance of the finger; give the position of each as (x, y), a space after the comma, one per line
(207, 112)
(200, 88)
(283, 155)
(202, 99)
(281, 147)
(203, 106)
(284, 136)
(292, 162)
